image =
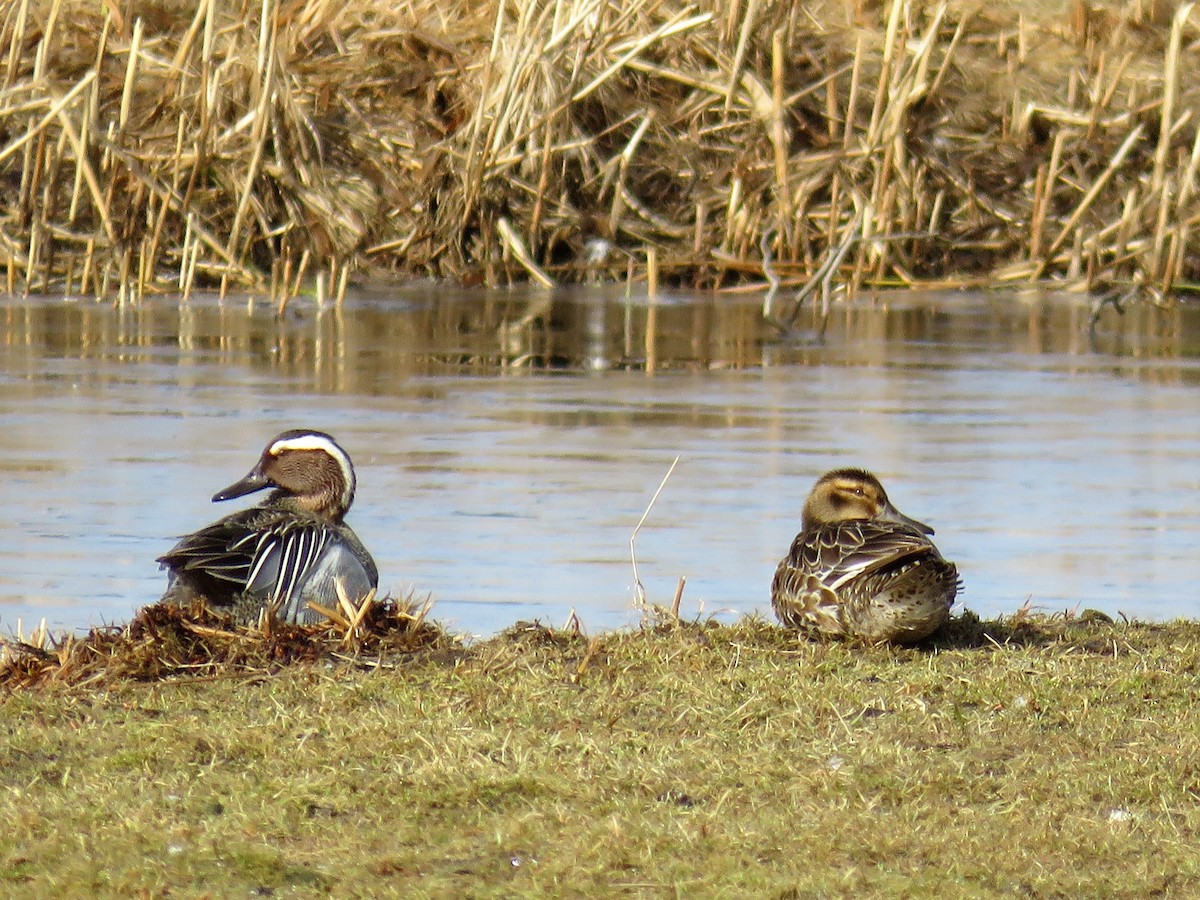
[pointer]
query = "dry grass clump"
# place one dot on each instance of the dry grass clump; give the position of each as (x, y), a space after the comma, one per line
(156, 145)
(167, 641)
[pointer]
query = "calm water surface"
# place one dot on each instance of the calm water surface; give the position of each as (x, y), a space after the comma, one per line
(508, 443)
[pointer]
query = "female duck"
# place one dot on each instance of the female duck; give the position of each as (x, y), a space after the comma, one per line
(861, 568)
(286, 552)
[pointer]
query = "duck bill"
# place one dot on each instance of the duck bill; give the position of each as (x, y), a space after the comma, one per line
(254, 481)
(891, 514)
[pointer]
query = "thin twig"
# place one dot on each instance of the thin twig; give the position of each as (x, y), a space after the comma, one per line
(639, 599)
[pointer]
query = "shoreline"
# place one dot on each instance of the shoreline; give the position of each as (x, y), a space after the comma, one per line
(163, 642)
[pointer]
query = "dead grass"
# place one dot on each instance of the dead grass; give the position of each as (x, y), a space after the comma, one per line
(158, 145)
(1044, 757)
(166, 641)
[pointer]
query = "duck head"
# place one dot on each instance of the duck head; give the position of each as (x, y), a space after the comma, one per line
(846, 495)
(309, 467)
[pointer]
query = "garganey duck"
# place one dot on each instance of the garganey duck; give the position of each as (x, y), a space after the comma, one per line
(285, 552)
(860, 568)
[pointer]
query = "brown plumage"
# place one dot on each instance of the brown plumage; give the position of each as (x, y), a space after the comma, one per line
(860, 568)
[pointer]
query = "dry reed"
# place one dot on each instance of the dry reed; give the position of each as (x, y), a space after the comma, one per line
(161, 146)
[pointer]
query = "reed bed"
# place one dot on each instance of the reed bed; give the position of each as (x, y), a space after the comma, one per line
(157, 145)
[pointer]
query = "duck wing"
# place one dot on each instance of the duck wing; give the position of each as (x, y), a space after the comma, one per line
(264, 555)
(837, 554)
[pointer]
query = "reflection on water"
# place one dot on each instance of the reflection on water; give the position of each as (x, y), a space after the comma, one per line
(507, 443)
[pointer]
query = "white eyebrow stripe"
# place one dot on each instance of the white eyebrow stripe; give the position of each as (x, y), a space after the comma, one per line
(306, 442)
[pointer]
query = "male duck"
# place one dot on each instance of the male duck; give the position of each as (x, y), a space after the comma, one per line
(861, 568)
(289, 550)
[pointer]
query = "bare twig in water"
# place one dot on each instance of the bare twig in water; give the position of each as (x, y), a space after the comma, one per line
(514, 245)
(639, 598)
(824, 276)
(770, 274)
(1120, 297)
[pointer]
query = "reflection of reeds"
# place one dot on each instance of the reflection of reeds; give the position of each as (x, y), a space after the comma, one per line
(155, 146)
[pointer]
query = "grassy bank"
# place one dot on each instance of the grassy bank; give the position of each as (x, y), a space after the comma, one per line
(1025, 756)
(162, 144)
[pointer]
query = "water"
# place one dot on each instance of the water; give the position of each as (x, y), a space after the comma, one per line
(507, 444)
